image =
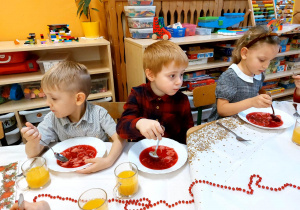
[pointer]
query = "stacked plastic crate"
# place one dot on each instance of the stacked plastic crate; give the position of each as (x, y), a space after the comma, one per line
(140, 15)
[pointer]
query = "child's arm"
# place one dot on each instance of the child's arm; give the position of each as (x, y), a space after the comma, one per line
(296, 96)
(40, 205)
(228, 109)
(126, 127)
(33, 137)
(99, 164)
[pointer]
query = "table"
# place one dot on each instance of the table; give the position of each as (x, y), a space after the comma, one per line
(171, 187)
(218, 159)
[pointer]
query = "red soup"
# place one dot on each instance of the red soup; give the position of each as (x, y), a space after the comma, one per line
(76, 155)
(263, 119)
(167, 157)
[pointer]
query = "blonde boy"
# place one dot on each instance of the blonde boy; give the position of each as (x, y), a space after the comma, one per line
(67, 86)
(157, 108)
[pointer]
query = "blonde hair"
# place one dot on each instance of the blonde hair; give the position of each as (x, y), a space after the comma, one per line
(252, 38)
(68, 76)
(162, 53)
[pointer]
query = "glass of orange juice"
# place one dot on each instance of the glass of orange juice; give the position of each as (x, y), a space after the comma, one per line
(93, 199)
(36, 173)
(296, 133)
(127, 180)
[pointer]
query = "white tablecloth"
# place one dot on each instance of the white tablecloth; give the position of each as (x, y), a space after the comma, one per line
(170, 187)
(216, 156)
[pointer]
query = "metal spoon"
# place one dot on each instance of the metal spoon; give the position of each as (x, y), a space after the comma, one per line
(58, 156)
(21, 202)
(153, 154)
(274, 117)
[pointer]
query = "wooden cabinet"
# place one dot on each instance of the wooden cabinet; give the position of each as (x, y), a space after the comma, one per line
(134, 49)
(95, 54)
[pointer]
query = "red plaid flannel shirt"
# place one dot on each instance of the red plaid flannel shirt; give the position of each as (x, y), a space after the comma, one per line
(173, 112)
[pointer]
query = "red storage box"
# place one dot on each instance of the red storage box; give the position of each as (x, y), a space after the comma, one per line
(26, 66)
(12, 57)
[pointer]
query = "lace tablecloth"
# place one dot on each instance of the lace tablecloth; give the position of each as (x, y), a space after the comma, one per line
(219, 161)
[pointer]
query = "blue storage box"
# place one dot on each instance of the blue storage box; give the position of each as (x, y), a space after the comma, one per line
(176, 32)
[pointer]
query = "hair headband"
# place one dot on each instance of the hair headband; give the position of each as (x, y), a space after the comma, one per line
(262, 36)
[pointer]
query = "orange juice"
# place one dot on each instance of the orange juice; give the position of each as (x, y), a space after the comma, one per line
(37, 177)
(296, 135)
(129, 183)
(98, 204)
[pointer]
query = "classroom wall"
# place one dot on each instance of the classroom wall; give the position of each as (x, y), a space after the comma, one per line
(18, 18)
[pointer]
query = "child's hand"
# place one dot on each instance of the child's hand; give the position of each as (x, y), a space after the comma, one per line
(40, 205)
(98, 164)
(31, 133)
(262, 101)
(151, 129)
(297, 80)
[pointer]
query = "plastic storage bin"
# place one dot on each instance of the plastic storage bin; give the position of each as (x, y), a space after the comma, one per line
(140, 2)
(35, 115)
(99, 85)
(176, 32)
(145, 33)
(190, 29)
(51, 59)
(140, 22)
(13, 137)
(203, 31)
(9, 121)
(139, 11)
(33, 90)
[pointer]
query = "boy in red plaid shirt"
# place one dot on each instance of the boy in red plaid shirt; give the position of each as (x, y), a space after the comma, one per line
(157, 108)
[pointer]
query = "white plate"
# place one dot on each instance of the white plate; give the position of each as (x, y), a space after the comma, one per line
(287, 119)
(138, 147)
(98, 144)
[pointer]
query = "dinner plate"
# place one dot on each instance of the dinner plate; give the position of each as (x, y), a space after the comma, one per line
(98, 144)
(138, 147)
(287, 119)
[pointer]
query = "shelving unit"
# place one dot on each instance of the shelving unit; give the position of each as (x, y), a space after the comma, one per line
(95, 54)
(134, 49)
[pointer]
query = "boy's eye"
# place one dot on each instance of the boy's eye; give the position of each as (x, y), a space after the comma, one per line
(261, 60)
(172, 76)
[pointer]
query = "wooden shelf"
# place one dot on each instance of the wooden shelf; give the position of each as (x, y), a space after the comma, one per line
(25, 104)
(291, 52)
(282, 74)
(197, 39)
(284, 93)
(210, 65)
(94, 67)
(9, 46)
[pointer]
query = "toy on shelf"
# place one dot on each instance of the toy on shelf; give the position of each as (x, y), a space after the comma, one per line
(263, 11)
(60, 33)
(284, 9)
(275, 25)
(228, 20)
(231, 32)
(33, 90)
(16, 41)
(31, 39)
(17, 62)
(159, 32)
(43, 40)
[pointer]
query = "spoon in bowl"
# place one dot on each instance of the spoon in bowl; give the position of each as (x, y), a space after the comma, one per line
(274, 117)
(154, 154)
(58, 156)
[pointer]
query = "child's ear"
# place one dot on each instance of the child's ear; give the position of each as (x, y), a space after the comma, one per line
(80, 98)
(244, 52)
(149, 74)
